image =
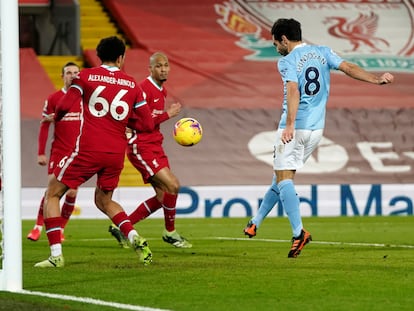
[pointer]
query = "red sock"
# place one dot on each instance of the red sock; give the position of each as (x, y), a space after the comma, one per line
(39, 220)
(144, 210)
(168, 203)
(123, 223)
(67, 209)
(53, 228)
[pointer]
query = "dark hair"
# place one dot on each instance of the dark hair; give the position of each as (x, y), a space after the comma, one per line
(67, 65)
(288, 27)
(109, 49)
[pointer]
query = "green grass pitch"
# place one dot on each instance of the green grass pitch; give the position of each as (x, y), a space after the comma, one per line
(353, 263)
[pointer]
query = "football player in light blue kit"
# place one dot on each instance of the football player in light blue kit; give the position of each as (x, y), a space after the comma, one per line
(305, 71)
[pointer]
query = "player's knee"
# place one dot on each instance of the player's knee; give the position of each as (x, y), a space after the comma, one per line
(174, 187)
(72, 192)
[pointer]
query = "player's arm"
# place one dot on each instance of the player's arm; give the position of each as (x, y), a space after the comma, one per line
(358, 73)
(48, 118)
(292, 97)
(141, 119)
(159, 118)
(172, 111)
(73, 95)
(42, 139)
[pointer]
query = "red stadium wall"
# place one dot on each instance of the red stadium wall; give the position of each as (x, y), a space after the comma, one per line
(223, 76)
(223, 71)
(35, 85)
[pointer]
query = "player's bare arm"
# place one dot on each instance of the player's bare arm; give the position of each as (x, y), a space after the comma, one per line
(293, 97)
(356, 72)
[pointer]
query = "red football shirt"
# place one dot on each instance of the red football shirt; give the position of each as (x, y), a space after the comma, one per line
(111, 98)
(65, 130)
(155, 97)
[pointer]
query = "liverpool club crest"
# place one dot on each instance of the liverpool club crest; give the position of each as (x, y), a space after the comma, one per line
(375, 34)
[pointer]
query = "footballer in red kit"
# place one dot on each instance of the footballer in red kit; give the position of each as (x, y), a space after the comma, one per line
(65, 131)
(111, 101)
(146, 153)
(104, 122)
(156, 96)
(64, 136)
(149, 145)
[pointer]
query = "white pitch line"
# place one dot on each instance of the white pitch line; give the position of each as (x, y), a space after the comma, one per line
(98, 302)
(319, 242)
(282, 241)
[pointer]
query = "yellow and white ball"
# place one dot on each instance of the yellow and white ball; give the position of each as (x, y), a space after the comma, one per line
(187, 132)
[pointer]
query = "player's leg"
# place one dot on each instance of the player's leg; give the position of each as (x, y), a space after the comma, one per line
(308, 142)
(270, 199)
(68, 207)
(290, 203)
(146, 161)
(290, 200)
(103, 200)
(166, 197)
(53, 221)
(152, 162)
(35, 233)
(289, 157)
(107, 181)
(167, 186)
(145, 209)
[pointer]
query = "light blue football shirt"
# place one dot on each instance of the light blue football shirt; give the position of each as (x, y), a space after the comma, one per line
(309, 66)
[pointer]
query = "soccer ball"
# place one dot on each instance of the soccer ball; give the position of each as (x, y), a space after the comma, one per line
(187, 132)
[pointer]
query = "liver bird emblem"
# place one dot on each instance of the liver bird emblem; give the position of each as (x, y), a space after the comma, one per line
(360, 32)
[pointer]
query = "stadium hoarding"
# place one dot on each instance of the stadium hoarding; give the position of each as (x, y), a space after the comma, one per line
(243, 201)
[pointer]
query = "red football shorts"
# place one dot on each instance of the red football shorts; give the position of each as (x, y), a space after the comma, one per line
(148, 159)
(74, 170)
(56, 155)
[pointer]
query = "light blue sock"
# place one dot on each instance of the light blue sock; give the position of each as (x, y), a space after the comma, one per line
(269, 201)
(290, 202)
